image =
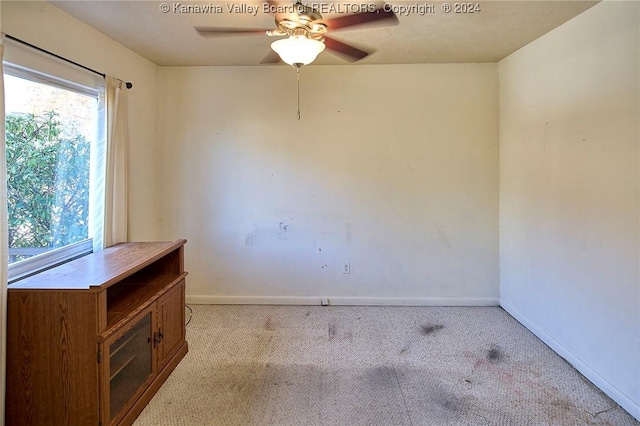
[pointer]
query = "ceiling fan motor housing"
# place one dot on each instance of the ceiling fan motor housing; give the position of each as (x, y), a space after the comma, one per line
(306, 22)
(307, 13)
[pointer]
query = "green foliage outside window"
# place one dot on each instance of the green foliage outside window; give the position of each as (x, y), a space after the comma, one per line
(47, 182)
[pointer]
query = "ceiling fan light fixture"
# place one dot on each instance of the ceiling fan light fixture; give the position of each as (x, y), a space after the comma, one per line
(298, 49)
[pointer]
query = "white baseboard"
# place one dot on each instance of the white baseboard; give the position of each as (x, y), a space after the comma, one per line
(603, 384)
(344, 301)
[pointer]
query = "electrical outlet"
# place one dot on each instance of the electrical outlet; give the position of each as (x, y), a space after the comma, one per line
(346, 268)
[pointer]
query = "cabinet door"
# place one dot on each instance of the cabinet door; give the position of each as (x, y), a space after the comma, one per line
(171, 331)
(128, 367)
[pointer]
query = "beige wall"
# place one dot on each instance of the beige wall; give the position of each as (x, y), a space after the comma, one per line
(569, 237)
(45, 26)
(391, 168)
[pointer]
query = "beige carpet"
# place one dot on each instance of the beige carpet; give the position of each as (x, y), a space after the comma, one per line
(308, 365)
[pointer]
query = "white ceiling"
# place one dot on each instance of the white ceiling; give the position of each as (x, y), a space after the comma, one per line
(494, 32)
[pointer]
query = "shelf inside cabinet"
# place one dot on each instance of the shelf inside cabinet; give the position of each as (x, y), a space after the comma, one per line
(135, 293)
(123, 365)
(114, 352)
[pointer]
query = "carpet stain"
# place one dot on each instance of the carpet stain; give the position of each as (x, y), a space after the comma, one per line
(307, 314)
(433, 397)
(335, 333)
(332, 331)
(450, 402)
(495, 355)
(502, 372)
(381, 376)
(268, 324)
(428, 329)
(557, 406)
(236, 385)
(522, 384)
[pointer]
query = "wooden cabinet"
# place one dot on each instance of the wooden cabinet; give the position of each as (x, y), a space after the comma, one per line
(170, 334)
(91, 341)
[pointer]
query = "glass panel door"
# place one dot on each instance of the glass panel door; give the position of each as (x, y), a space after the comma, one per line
(129, 364)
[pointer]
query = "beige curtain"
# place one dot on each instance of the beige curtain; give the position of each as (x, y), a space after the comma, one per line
(117, 147)
(4, 242)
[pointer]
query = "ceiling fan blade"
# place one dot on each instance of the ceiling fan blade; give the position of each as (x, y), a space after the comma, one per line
(223, 31)
(380, 16)
(271, 58)
(350, 53)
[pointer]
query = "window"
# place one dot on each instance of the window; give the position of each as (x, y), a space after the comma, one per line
(51, 130)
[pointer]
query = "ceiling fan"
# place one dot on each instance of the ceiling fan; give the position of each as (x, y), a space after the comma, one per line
(306, 30)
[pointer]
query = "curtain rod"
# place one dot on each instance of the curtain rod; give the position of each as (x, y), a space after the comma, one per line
(128, 84)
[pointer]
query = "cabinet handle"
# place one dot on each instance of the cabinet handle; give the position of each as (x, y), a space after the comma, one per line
(157, 337)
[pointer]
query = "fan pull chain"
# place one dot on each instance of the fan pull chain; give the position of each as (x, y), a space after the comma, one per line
(298, 70)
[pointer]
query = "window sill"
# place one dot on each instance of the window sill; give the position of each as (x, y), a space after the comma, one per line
(48, 260)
